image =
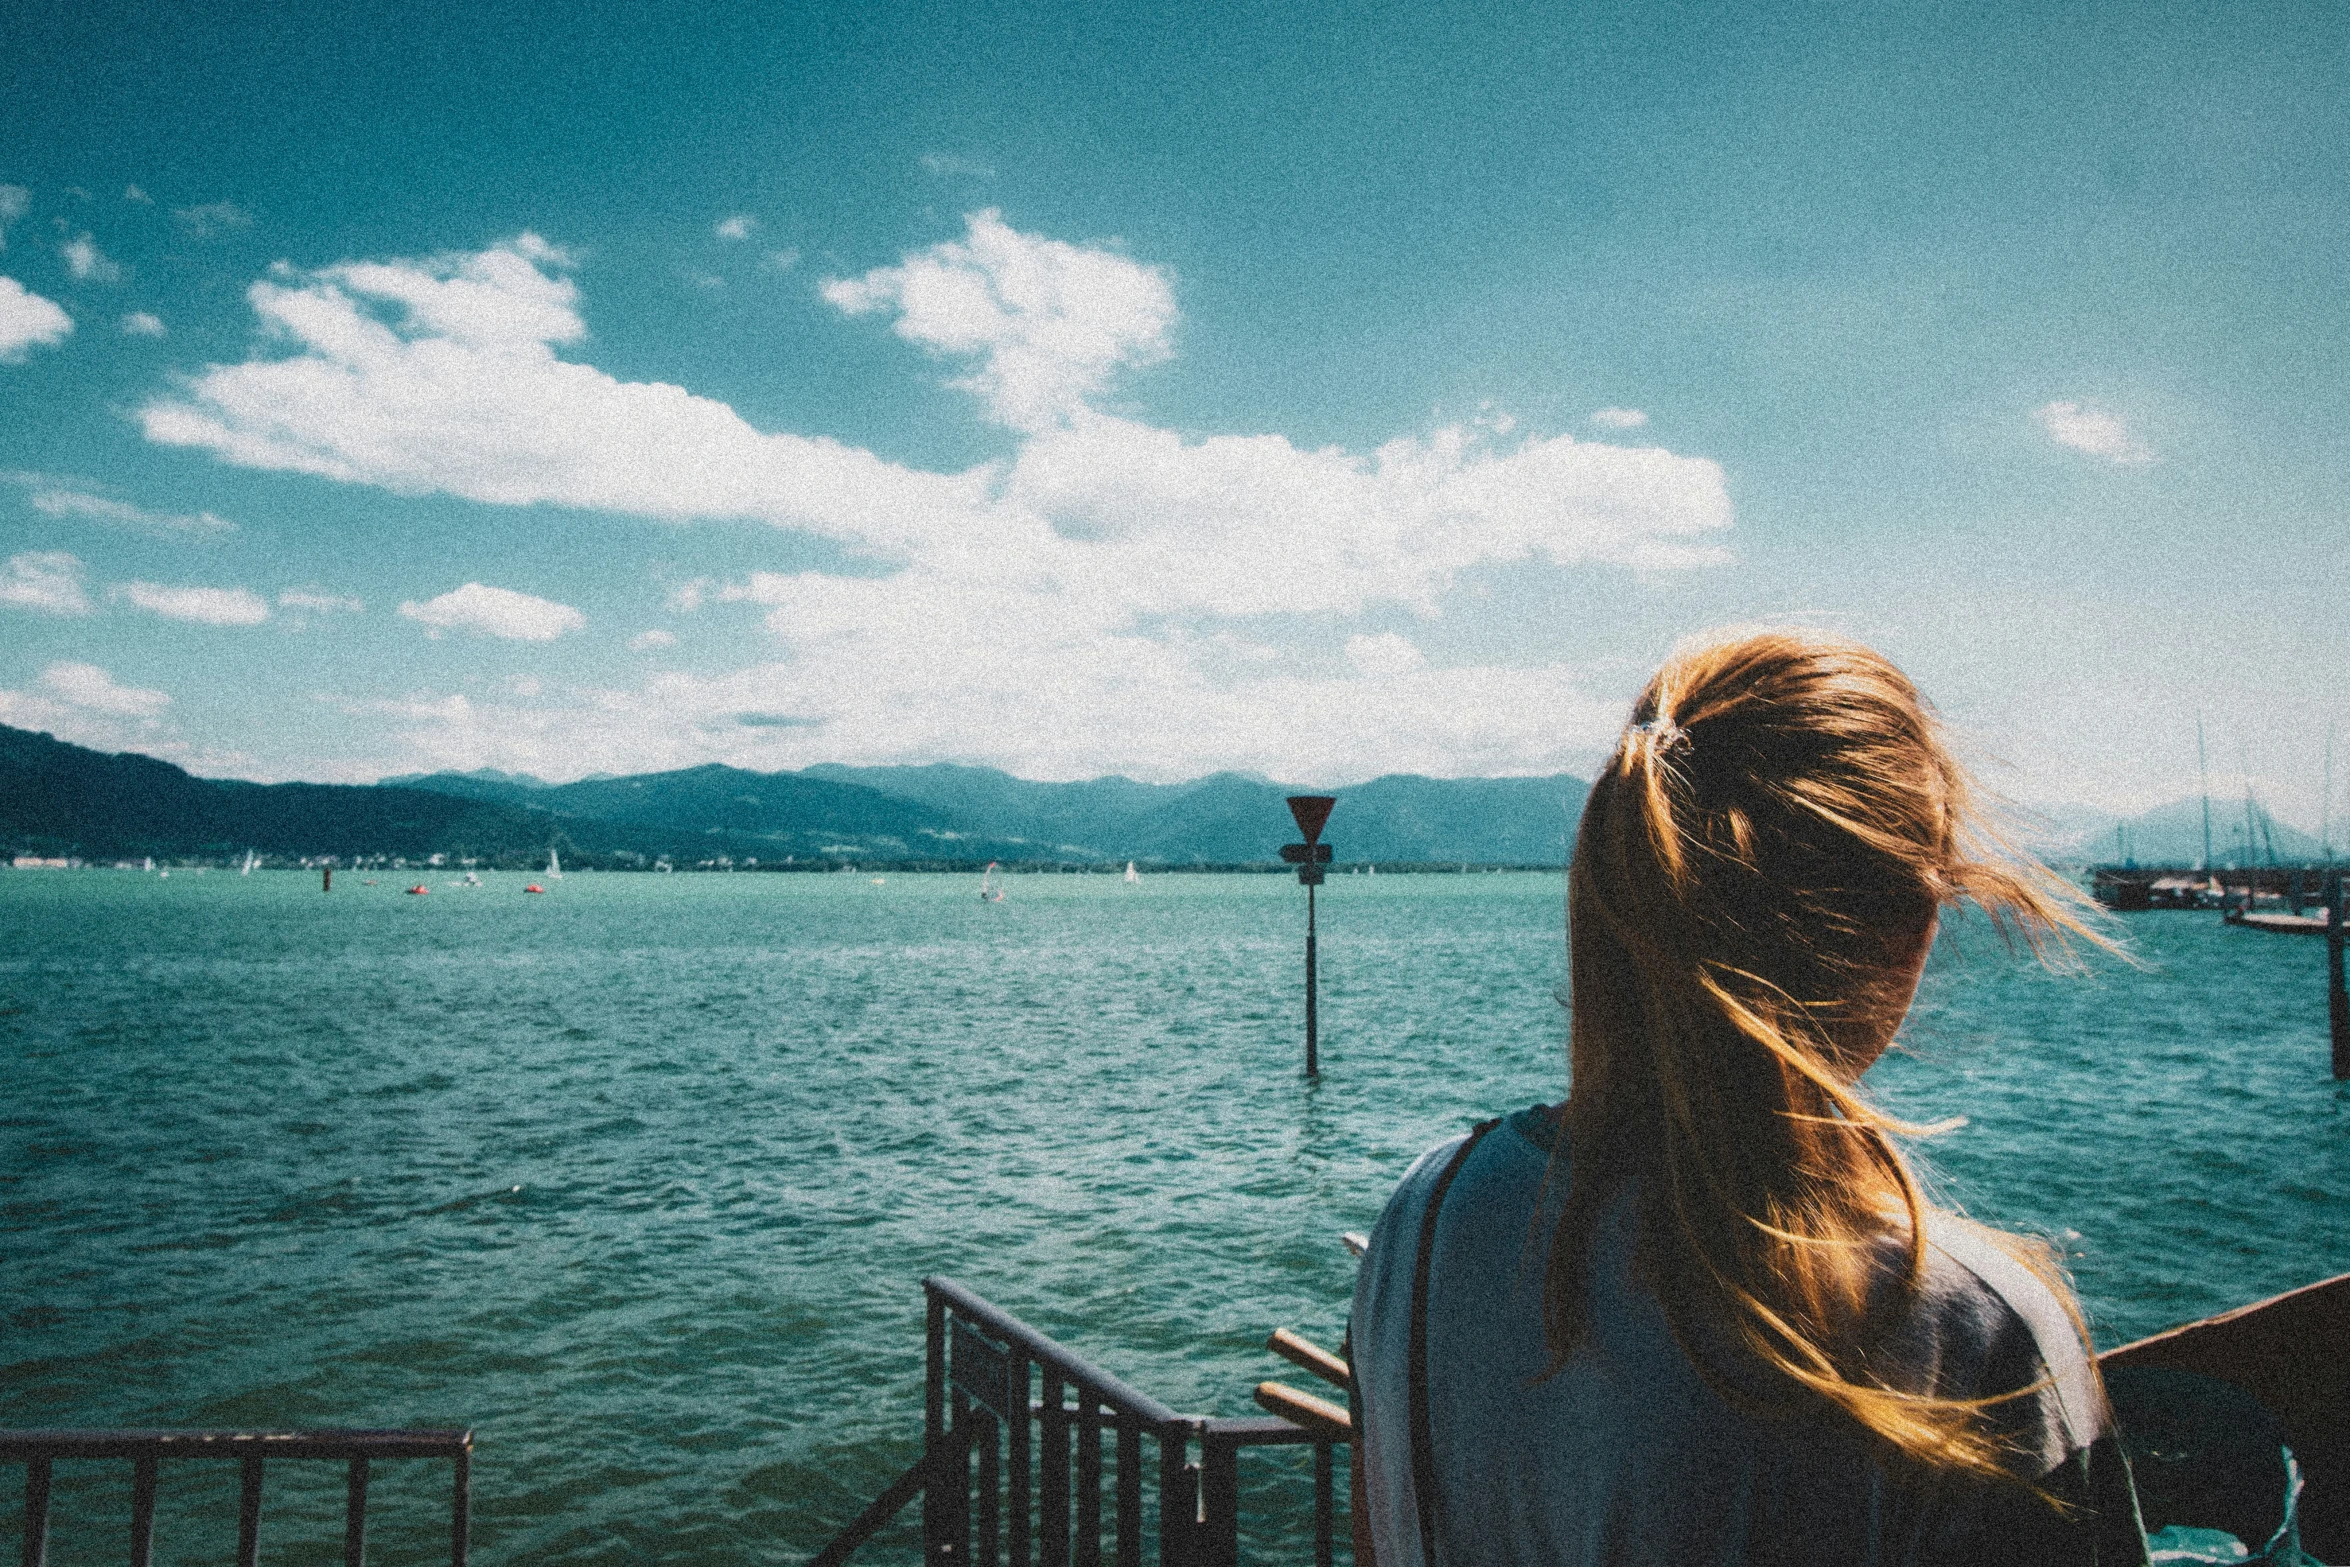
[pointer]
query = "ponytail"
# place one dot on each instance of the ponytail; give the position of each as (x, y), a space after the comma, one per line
(1757, 875)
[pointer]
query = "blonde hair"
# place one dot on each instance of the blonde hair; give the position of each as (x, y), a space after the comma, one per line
(1758, 870)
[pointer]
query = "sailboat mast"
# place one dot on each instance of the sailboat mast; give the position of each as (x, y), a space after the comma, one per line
(2203, 772)
(2251, 823)
(2325, 809)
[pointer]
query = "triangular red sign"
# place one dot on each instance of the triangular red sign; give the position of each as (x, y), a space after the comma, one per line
(1311, 811)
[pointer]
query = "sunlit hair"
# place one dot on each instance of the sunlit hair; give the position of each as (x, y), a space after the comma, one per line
(1759, 867)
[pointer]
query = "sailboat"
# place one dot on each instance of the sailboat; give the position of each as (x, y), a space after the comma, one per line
(248, 866)
(989, 892)
(554, 865)
(1133, 877)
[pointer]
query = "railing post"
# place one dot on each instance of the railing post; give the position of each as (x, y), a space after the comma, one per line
(1053, 1494)
(142, 1511)
(1016, 1454)
(355, 1515)
(249, 1515)
(461, 1508)
(1129, 1489)
(990, 1521)
(1219, 1485)
(36, 1512)
(1325, 1483)
(953, 1487)
(937, 1545)
(1089, 1478)
(1178, 1495)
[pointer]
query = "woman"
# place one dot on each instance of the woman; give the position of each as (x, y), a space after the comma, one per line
(1701, 1313)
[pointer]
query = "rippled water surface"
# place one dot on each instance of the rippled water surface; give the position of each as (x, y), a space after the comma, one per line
(636, 1178)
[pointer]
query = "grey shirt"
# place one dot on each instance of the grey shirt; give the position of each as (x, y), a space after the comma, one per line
(1629, 1456)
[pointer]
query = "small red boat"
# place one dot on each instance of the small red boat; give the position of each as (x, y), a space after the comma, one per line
(534, 887)
(419, 890)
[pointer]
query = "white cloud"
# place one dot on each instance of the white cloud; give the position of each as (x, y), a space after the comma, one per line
(739, 226)
(201, 606)
(28, 321)
(646, 641)
(86, 262)
(1110, 594)
(142, 323)
(783, 260)
(133, 193)
(1619, 418)
(1048, 321)
(462, 394)
(14, 200)
(82, 703)
(88, 686)
(2092, 430)
(48, 580)
(496, 612)
(1042, 716)
(122, 514)
(1384, 654)
(212, 219)
(319, 601)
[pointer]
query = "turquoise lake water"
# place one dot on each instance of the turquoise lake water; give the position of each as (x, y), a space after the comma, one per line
(637, 1178)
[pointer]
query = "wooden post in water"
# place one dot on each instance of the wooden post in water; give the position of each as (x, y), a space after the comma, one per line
(1311, 811)
(2337, 1000)
(1313, 974)
(326, 878)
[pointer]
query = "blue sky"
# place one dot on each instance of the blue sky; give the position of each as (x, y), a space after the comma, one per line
(1155, 390)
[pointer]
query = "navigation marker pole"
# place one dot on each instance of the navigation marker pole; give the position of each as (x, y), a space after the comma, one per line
(1311, 811)
(2337, 999)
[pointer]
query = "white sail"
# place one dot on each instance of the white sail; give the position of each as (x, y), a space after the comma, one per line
(248, 870)
(1132, 876)
(554, 865)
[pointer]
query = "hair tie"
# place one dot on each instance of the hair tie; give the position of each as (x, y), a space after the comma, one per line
(1662, 734)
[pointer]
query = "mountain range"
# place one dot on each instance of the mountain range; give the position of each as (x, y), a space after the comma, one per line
(63, 799)
(2173, 834)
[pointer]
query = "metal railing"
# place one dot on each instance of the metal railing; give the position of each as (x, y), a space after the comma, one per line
(1012, 1472)
(39, 1451)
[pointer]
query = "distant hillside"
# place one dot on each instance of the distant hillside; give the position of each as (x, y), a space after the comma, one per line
(62, 799)
(1232, 818)
(57, 798)
(2173, 835)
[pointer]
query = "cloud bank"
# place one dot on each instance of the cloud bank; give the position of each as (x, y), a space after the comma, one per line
(84, 704)
(1109, 594)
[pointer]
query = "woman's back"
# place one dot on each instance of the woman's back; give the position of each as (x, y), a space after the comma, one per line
(1629, 1455)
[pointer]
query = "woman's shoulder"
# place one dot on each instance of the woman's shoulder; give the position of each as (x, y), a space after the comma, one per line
(1511, 1157)
(2001, 1326)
